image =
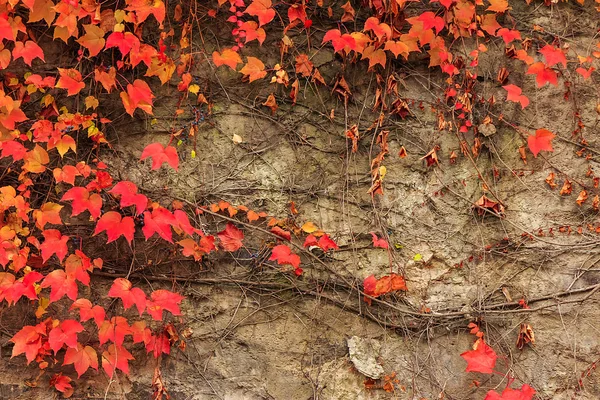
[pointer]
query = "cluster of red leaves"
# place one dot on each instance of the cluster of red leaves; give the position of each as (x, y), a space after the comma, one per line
(374, 287)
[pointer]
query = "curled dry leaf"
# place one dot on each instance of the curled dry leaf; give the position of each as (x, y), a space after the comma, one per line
(485, 204)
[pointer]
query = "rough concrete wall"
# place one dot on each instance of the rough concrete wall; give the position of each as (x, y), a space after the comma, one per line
(260, 334)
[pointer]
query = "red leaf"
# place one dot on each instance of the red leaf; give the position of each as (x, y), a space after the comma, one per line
(29, 341)
(28, 50)
(339, 41)
(326, 243)
(514, 94)
(158, 345)
(128, 192)
(71, 80)
(54, 243)
(114, 358)
(283, 255)
(122, 288)
(379, 242)
(83, 201)
(586, 73)
(542, 140)
(553, 56)
(87, 312)
(508, 35)
(60, 285)
(65, 333)
(82, 358)
(163, 300)
(115, 226)
(62, 384)
(114, 330)
(311, 240)
(525, 393)
(124, 41)
(481, 359)
(231, 238)
(160, 155)
(430, 20)
(386, 284)
(282, 233)
(542, 74)
(159, 221)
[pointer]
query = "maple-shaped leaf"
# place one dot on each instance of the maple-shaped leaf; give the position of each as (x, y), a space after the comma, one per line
(125, 41)
(29, 340)
(514, 94)
(82, 201)
(61, 284)
(380, 30)
(87, 311)
(227, 57)
(526, 392)
(128, 191)
(71, 80)
(499, 6)
(77, 266)
(62, 384)
(49, 213)
(585, 73)
(377, 287)
(430, 20)
(14, 149)
(397, 48)
(254, 69)
(261, 9)
(65, 333)
(54, 243)
(160, 221)
(489, 24)
(160, 155)
(140, 332)
(379, 242)
(138, 95)
(231, 238)
(93, 40)
(82, 358)
(29, 50)
(553, 56)
(106, 78)
(66, 174)
(123, 289)
(283, 255)
(326, 243)
(375, 56)
(508, 35)
(158, 345)
(114, 330)
(541, 140)
(114, 358)
(183, 224)
(163, 300)
(339, 41)
(115, 226)
(481, 359)
(542, 74)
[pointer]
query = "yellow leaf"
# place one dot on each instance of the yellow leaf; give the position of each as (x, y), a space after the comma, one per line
(91, 102)
(309, 227)
(194, 88)
(417, 257)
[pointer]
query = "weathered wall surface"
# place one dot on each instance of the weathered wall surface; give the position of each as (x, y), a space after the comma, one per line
(260, 334)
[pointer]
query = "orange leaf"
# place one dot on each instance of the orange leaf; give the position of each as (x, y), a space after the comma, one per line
(227, 57)
(71, 80)
(254, 69)
(93, 40)
(28, 50)
(498, 6)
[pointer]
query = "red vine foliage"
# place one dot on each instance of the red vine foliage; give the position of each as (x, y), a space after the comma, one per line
(53, 135)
